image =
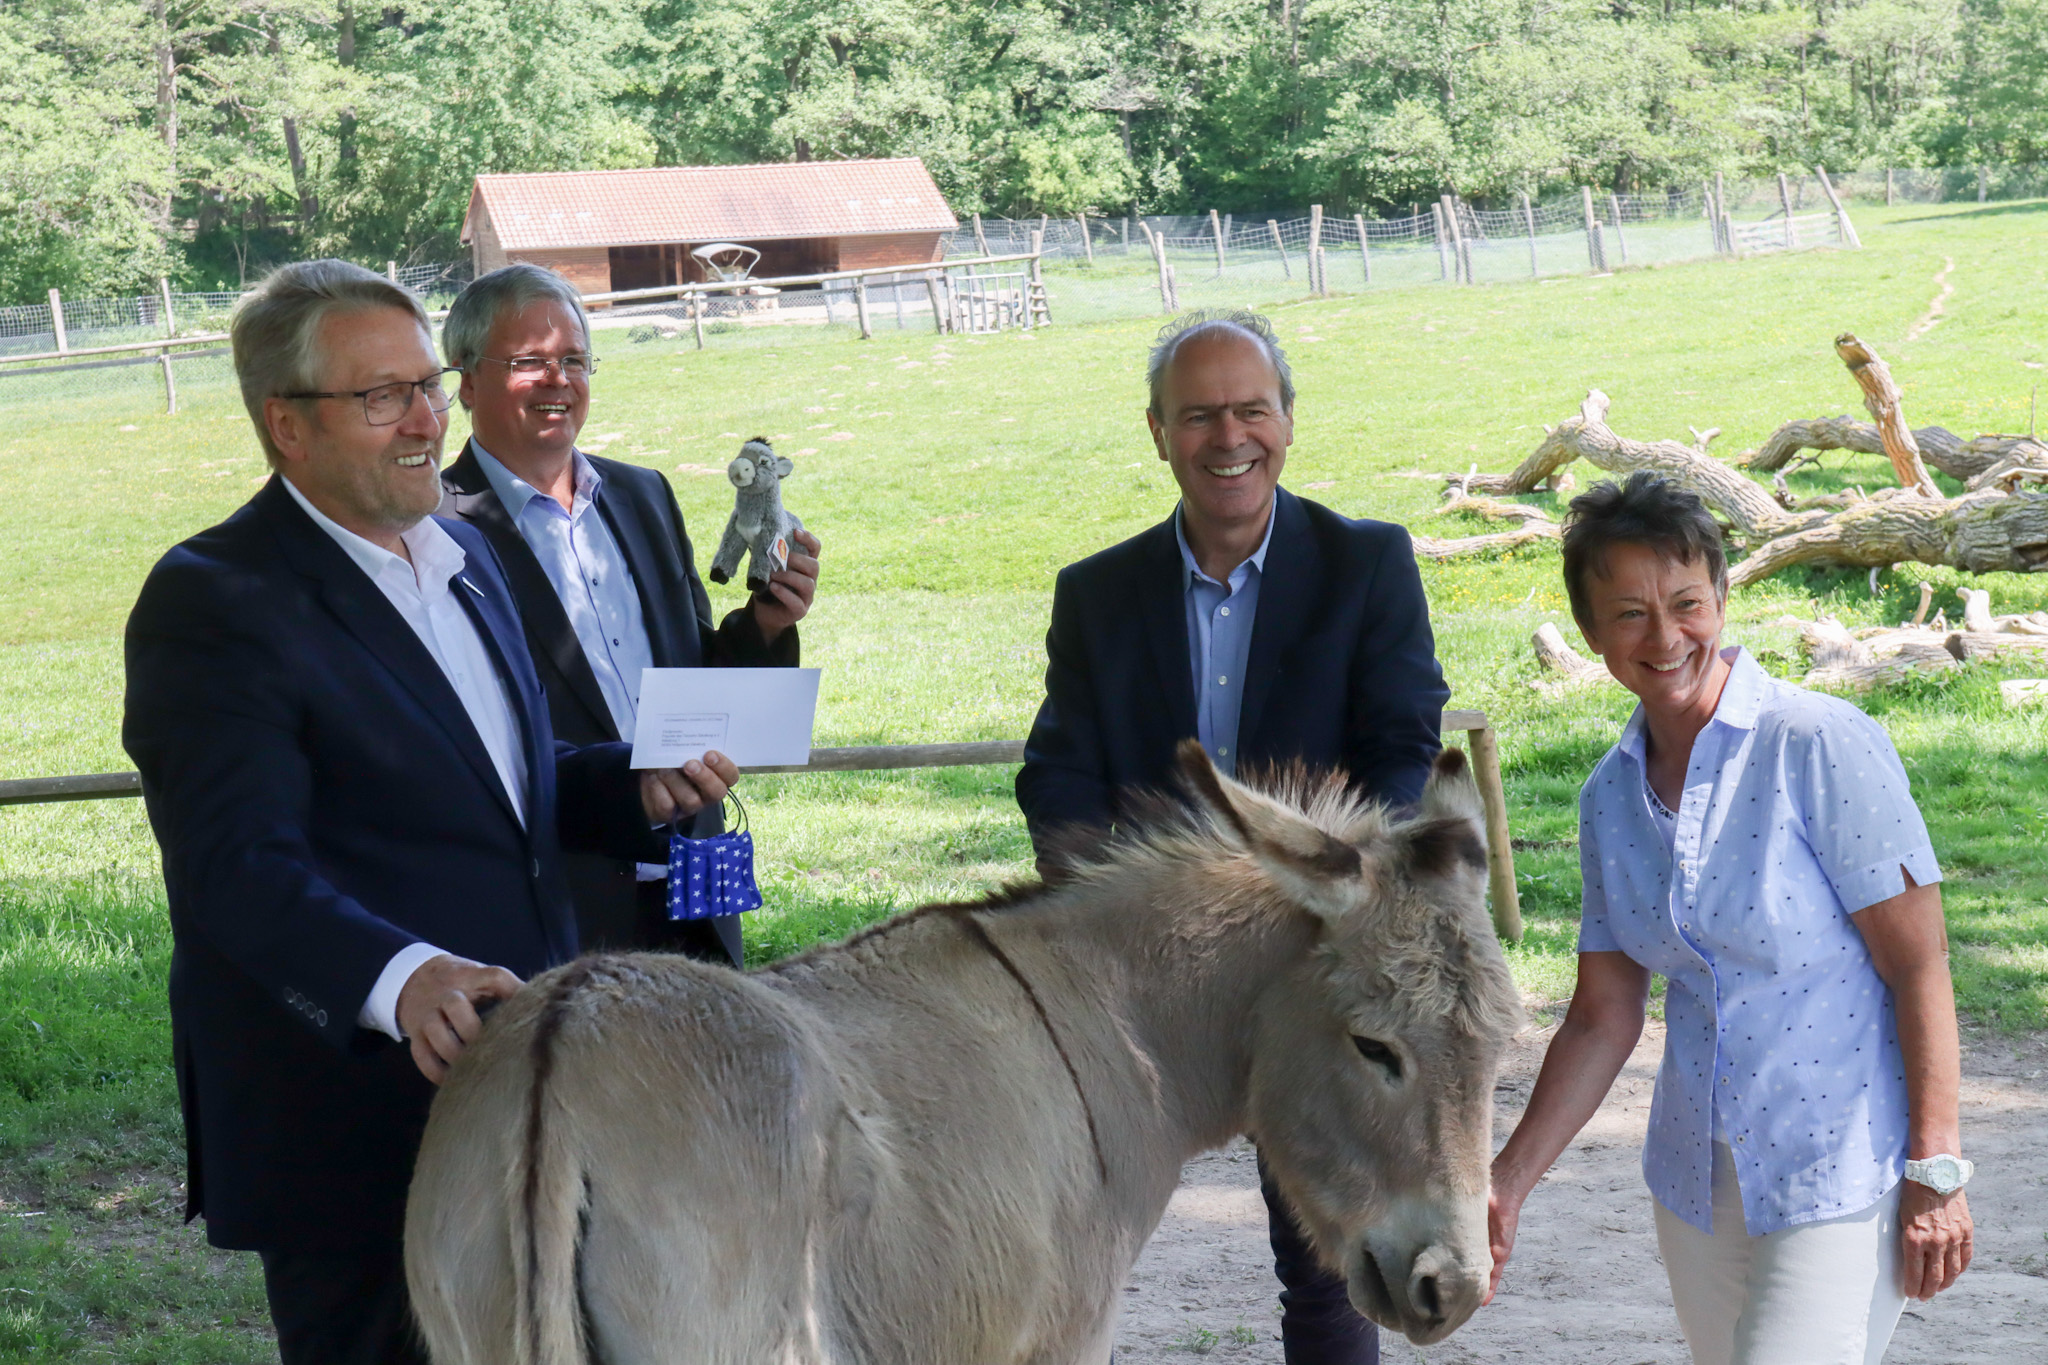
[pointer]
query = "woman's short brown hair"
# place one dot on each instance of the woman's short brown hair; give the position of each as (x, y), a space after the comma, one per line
(1647, 509)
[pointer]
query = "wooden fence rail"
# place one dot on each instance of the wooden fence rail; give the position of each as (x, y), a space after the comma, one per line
(1485, 752)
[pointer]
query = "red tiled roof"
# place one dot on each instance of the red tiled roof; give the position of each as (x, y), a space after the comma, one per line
(710, 203)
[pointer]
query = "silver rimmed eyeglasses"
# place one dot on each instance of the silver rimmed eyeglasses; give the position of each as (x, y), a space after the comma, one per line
(573, 367)
(387, 404)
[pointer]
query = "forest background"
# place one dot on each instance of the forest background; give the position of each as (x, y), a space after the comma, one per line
(203, 140)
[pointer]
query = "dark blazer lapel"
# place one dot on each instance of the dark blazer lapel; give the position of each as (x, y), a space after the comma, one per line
(367, 614)
(1288, 589)
(662, 604)
(497, 622)
(1162, 601)
(547, 625)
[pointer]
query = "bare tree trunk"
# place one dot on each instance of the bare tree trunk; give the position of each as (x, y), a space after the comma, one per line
(309, 203)
(345, 56)
(164, 60)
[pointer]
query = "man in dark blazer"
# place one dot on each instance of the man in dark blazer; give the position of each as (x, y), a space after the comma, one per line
(347, 762)
(1267, 626)
(601, 565)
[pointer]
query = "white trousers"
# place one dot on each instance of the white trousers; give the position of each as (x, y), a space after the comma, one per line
(1817, 1294)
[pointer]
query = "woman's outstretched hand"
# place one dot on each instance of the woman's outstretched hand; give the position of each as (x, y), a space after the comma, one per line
(1935, 1239)
(1503, 1214)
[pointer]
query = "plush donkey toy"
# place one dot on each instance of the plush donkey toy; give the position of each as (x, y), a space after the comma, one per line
(760, 527)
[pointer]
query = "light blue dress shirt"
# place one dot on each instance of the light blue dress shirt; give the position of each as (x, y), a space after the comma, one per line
(582, 559)
(1220, 619)
(1796, 813)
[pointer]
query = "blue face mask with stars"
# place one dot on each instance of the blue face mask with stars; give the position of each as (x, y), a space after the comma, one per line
(708, 878)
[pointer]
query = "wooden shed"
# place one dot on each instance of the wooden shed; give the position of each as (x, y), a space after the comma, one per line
(608, 230)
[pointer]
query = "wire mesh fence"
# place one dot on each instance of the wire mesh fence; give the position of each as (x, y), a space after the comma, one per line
(1094, 268)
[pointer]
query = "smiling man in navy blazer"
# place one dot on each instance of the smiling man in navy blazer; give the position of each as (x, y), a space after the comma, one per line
(1268, 627)
(598, 557)
(347, 762)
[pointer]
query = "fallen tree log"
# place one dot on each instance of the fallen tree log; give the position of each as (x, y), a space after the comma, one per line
(1886, 406)
(1941, 448)
(1983, 532)
(1746, 506)
(1574, 670)
(1988, 531)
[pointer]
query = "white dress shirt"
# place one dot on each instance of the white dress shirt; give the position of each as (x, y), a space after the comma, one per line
(424, 594)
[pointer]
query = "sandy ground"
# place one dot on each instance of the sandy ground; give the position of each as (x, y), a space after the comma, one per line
(1586, 1286)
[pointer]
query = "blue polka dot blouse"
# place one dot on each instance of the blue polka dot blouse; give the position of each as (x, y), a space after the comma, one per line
(1796, 813)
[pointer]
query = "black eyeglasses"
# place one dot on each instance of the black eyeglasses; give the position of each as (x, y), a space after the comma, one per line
(388, 404)
(576, 366)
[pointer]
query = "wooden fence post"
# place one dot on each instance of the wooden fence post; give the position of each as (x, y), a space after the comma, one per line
(931, 289)
(697, 317)
(1158, 244)
(1529, 221)
(1216, 231)
(1844, 229)
(1364, 252)
(860, 307)
(1461, 256)
(1280, 247)
(980, 240)
(1620, 237)
(1785, 202)
(57, 322)
(170, 322)
(1983, 183)
(1722, 218)
(1507, 900)
(1087, 245)
(1436, 224)
(1125, 229)
(170, 385)
(1315, 251)
(1889, 188)
(391, 271)
(1596, 250)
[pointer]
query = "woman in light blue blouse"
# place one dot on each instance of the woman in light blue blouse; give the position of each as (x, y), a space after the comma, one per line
(1756, 844)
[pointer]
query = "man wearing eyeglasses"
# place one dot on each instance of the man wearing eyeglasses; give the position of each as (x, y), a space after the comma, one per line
(599, 559)
(347, 761)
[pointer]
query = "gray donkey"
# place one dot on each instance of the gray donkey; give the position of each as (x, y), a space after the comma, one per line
(944, 1141)
(760, 526)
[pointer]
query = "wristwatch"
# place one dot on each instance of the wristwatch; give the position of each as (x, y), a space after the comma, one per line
(1942, 1173)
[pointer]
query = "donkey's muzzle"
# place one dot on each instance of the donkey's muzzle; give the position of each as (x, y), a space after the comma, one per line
(1425, 1301)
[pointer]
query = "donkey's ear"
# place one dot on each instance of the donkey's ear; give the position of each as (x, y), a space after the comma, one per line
(784, 466)
(1450, 830)
(1451, 790)
(1323, 874)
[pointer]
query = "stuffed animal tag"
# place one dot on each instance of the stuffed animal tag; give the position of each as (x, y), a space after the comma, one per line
(760, 527)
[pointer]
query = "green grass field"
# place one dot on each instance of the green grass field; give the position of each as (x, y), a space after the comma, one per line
(951, 478)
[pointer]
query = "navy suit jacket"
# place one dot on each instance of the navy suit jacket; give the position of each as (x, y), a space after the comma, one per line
(1342, 670)
(322, 800)
(640, 508)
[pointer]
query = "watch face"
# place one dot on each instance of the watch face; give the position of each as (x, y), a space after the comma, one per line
(1947, 1173)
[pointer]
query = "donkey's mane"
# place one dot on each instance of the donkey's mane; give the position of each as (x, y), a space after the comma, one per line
(1158, 826)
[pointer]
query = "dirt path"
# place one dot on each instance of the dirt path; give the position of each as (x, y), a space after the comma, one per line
(1586, 1287)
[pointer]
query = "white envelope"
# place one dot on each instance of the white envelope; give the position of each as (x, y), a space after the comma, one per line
(757, 717)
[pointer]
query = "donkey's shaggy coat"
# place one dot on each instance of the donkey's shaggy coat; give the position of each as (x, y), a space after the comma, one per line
(944, 1141)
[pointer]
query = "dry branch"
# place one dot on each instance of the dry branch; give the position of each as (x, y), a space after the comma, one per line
(1886, 406)
(1536, 525)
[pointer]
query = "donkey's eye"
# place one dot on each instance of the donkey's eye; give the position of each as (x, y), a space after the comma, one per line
(1373, 1050)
